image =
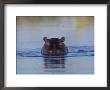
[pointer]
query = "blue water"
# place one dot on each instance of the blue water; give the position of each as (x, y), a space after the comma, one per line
(79, 60)
(73, 51)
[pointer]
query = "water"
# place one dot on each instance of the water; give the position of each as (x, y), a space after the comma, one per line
(79, 60)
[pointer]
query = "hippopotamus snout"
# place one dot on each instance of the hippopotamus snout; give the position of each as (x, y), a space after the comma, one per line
(55, 52)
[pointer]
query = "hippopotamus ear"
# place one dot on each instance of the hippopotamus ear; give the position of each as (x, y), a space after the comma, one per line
(62, 39)
(45, 39)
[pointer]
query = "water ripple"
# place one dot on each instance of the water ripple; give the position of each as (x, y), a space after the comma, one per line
(73, 51)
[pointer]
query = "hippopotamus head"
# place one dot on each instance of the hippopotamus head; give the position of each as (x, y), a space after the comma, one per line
(54, 46)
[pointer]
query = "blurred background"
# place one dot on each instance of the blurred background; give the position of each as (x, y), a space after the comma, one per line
(77, 30)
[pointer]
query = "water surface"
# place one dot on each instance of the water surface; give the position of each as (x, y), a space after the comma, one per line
(79, 60)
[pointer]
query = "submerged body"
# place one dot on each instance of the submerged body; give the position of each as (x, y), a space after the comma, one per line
(54, 47)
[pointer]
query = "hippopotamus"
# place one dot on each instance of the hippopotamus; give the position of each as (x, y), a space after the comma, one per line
(54, 47)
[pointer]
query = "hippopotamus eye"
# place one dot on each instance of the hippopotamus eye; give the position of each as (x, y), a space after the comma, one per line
(62, 39)
(47, 43)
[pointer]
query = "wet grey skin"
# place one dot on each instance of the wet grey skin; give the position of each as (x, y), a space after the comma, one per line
(54, 47)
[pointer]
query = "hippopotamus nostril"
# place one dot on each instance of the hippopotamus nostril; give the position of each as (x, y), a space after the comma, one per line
(50, 51)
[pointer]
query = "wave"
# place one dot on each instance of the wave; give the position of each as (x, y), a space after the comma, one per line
(73, 51)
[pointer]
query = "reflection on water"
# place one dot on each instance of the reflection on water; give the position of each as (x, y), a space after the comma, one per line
(54, 64)
(67, 65)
